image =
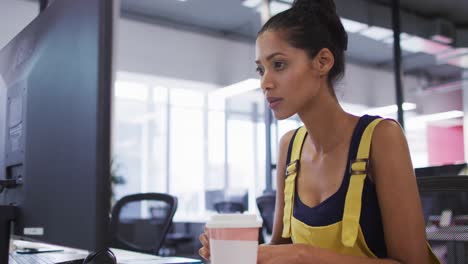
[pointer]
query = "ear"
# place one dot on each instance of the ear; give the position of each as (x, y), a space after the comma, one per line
(325, 60)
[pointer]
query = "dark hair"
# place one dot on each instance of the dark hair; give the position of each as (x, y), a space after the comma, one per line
(312, 25)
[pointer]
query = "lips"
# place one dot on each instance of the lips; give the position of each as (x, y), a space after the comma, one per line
(274, 101)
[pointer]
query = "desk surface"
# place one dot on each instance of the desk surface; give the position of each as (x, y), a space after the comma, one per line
(123, 256)
(129, 257)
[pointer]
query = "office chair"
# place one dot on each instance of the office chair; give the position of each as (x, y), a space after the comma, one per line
(229, 207)
(176, 238)
(447, 233)
(266, 206)
(140, 222)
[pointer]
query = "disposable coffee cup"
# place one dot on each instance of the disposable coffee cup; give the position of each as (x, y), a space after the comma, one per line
(233, 238)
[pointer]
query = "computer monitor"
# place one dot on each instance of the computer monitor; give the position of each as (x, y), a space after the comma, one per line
(442, 170)
(212, 197)
(55, 124)
(434, 203)
(230, 195)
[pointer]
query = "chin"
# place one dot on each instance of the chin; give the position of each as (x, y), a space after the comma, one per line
(281, 116)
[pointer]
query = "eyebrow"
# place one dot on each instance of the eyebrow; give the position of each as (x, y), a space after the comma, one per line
(269, 57)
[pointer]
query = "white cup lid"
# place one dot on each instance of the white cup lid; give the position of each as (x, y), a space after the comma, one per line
(234, 221)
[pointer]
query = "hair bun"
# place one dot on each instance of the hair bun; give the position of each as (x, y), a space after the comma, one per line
(327, 6)
(326, 10)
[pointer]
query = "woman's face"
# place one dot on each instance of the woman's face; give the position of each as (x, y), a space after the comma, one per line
(289, 78)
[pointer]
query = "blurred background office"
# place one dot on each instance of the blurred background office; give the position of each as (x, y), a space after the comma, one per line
(189, 119)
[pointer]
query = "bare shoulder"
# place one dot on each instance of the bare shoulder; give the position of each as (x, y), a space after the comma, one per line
(286, 138)
(389, 150)
(388, 132)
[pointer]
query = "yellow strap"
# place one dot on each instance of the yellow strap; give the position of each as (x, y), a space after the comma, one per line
(358, 170)
(291, 171)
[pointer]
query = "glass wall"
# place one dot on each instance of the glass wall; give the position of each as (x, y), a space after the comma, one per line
(179, 139)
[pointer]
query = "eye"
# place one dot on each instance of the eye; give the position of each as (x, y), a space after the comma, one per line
(260, 70)
(279, 65)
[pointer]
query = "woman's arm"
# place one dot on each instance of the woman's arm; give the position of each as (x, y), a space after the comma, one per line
(305, 254)
(400, 207)
(398, 195)
(276, 238)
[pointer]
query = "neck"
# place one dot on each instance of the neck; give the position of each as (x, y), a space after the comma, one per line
(326, 122)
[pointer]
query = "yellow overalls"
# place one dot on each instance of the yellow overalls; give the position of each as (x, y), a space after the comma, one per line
(344, 237)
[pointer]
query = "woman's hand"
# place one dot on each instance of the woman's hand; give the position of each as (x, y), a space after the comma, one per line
(263, 255)
(205, 250)
(277, 254)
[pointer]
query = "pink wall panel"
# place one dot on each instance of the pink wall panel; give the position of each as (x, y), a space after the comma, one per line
(445, 144)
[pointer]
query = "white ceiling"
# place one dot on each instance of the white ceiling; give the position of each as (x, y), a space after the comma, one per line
(230, 19)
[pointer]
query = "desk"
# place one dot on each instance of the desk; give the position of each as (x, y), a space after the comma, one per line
(123, 256)
(128, 257)
(456, 239)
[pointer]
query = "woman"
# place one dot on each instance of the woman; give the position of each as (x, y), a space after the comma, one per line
(340, 198)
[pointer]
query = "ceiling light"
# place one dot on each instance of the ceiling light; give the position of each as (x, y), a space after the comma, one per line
(353, 26)
(278, 7)
(442, 39)
(388, 110)
(412, 43)
(438, 116)
(451, 54)
(418, 44)
(251, 3)
(237, 88)
(377, 33)
(457, 57)
(421, 121)
(460, 61)
(403, 36)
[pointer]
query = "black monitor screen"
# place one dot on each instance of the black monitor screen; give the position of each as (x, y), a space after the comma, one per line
(55, 92)
(443, 170)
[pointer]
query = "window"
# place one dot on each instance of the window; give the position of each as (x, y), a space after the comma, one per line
(172, 137)
(187, 150)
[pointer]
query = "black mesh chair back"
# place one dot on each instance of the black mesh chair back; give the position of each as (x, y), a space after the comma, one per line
(140, 222)
(445, 206)
(266, 206)
(229, 207)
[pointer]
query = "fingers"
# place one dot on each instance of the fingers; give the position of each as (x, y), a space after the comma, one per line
(204, 240)
(204, 252)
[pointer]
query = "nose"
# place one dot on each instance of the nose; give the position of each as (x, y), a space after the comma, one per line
(266, 82)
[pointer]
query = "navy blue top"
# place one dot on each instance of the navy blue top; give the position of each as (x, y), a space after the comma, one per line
(331, 210)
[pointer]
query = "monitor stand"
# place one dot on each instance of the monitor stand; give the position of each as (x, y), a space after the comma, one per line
(7, 215)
